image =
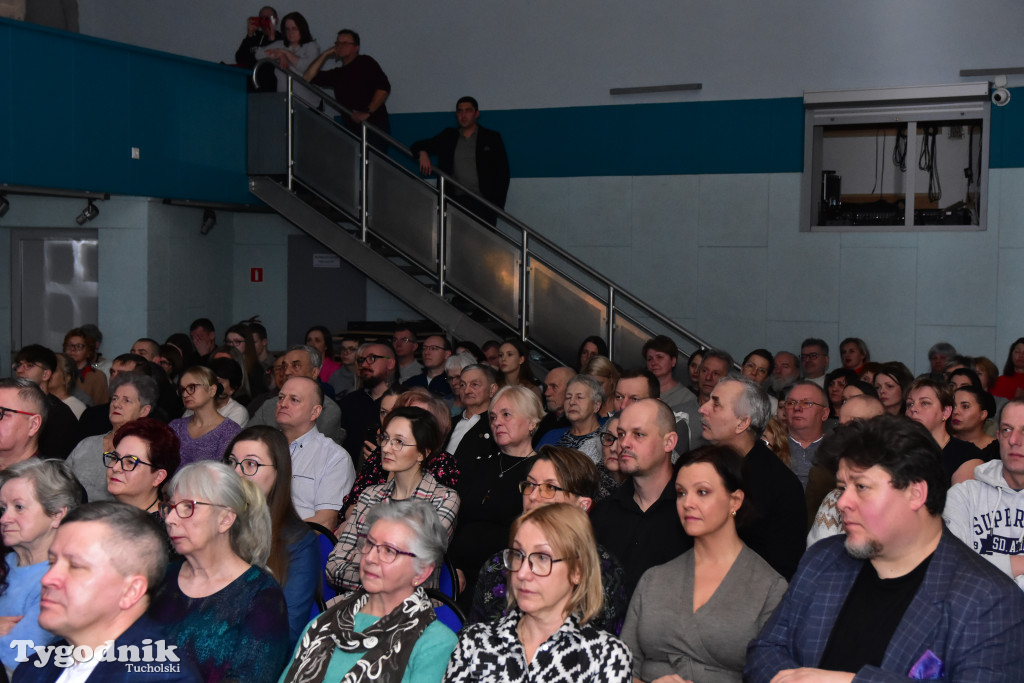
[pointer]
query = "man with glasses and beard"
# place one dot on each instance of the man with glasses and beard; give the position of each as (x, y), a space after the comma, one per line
(360, 410)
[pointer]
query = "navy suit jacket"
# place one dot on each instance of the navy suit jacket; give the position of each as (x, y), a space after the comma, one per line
(967, 612)
(117, 672)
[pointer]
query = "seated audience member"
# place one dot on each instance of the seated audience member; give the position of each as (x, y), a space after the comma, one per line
(757, 366)
(219, 605)
(828, 520)
(735, 417)
(898, 596)
(787, 371)
(147, 348)
(60, 435)
(263, 404)
(301, 361)
(204, 338)
(963, 377)
(892, 380)
(973, 407)
(1011, 383)
(409, 438)
(854, 354)
(441, 465)
(24, 405)
(591, 346)
(322, 471)
(206, 433)
(514, 366)
(96, 419)
(132, 395)
(360, 409)
(62, 385)
(105, 561)
(321, 339)
(34, 496)
(171, 362)
(97, 360)
(638, 523)
(931, 403)
(346, 377)
(988, 373)
(261, 30)
(868, 372)
(555, 420)
(938, 356)
(242, 337)
(260, 454)
(716, 365)
(985, 511)
(605, 372)
(835, 381)
(294, 52)
(611, 474)
(694, 616)
(471, 440)
(556, 593)
(489, 486)
(388, 626)
(814, 360)
(558, 475)
(475, 156)
(634, 385)
(229, 375)
(183, 344)
(693, 370)
(359, 83)
(81, 348)
(405, 345)
(661, 356)
(858, 388)
(491, 351)
(239, 390)
(807, 409)
(453, 368)
(583, 398)
(436, 352)
(144, 457)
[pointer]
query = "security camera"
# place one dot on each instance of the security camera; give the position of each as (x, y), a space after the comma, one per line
(1000, 97)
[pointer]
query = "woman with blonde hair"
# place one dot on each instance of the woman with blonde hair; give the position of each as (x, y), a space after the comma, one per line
(555, 580)
(206, 433)
(220, 606)
(604, 371)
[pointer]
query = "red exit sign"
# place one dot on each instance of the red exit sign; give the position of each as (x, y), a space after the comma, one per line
(256, 275)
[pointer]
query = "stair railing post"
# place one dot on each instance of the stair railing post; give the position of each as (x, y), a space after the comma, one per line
(291, 131)
(524, 271)
(365, 170)
(442, 237)
(611, 320)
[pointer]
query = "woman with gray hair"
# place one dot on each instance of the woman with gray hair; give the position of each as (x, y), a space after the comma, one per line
(34, 497)
(132, 395)
(387, 626)
(220, 606)
(583, 398)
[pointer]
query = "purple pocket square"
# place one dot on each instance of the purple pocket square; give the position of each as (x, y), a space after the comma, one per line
(927, 668)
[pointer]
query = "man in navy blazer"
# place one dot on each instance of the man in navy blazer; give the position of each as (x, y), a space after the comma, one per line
(104, 561)
(898, 596)
(475, 156)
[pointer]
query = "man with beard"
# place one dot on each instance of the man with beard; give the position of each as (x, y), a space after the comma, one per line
(785, 372)
(360, 409)
(899, 596)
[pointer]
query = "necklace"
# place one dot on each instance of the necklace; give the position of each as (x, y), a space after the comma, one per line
(502, 471)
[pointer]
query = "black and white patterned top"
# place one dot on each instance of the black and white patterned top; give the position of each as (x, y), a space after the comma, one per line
(574, 654)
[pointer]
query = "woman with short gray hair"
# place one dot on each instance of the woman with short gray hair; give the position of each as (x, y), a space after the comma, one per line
(388, 625)
(583, 398)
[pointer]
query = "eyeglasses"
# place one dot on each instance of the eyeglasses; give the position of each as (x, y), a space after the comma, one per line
(368, 360)
(386, 553)
(246, 466)
(185, 508)
(349, 349)
(402, 340)
(607, 438)
(540, 563)
(453, 379)
(188, 389)
(4, 411)
(383, 440)
(74, 347)
(26, 365)
(433, 347)
(546, 490)
(814, 355)
(792, 403)
(128, 462)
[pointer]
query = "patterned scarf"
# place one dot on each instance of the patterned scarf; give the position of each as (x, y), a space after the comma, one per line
(387, 643)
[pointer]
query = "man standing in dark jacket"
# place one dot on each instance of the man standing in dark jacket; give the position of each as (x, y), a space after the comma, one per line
(475, 156)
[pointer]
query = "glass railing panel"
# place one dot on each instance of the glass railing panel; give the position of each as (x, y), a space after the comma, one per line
(483, 266)
(326, 159)
(402, 210)
(561, 313)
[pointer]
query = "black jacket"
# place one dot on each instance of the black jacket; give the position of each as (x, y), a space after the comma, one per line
(491, 159)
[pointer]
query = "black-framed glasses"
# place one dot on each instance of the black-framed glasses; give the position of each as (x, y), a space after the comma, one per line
(813, 355)
(128, 462)
(4, 411)
(185, 508)
(386, 553)
(74, 347)
(368, 360)
(433, 347)
(546, 490)
(540, 563)
(246, 466)
(26, 365)
(402, 340)
(188, 389)
(607, 438)
(383, 440)
(806, 403)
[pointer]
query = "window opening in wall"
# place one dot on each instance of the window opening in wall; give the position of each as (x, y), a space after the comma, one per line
(887, 160)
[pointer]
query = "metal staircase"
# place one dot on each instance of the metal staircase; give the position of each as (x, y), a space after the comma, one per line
(475, 279)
